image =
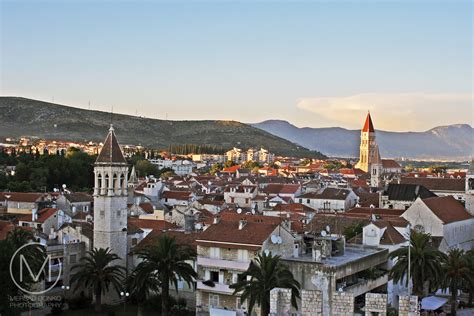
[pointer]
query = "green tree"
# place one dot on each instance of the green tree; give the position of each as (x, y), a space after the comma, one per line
(425, 263)
(455, 269)
(97, 271)
(165, 261)
(146, 168)
(265, 273)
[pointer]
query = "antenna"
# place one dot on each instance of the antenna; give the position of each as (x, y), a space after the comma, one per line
(111, 114)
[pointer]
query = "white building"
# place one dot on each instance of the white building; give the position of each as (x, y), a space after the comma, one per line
(329, 199)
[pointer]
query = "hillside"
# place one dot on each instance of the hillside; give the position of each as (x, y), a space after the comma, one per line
(445, 142)
(26, 117)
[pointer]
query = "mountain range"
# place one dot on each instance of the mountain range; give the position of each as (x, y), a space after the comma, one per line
(452, 142)
(33, 118)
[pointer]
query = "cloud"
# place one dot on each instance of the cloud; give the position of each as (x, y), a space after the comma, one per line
(393, 111)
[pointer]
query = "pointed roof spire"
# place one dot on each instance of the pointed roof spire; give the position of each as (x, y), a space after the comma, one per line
(377, 159)
(111, 152)
(368, 126)
(133, 176)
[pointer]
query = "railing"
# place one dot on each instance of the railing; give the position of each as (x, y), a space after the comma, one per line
(223, 264)
(365, 285)
(217, 288)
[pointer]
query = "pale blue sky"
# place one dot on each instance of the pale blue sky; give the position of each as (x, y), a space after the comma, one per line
(314, 63)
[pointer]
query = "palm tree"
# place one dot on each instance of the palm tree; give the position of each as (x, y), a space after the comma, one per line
(425, 263)
(468, 283)
(96, 271)
(264, 274)
(455, 270)
(164, 261)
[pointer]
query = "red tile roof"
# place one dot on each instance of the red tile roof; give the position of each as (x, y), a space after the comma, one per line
(151, 223)
(226, 233)
(182, 238)
(178, 195)
(390, 164)
(447, 209)
(146, 207)
(22, 197)
(437, 184)
(5, 228)
(275, 188)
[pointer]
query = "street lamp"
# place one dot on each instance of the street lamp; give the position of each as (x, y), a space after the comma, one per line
(124, 295)
(64, 288)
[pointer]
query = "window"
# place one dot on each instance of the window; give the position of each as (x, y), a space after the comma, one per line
(243, 255)
(215, 252)
(134, 241)
(213, 300)
(72, 259)
(214, 276)
(308, 201)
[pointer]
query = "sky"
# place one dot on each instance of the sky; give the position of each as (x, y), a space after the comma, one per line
(312, 63)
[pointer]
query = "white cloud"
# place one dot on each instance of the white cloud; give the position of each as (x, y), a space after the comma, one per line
(393, 111)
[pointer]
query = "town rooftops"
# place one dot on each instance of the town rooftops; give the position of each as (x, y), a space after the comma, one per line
(79, 197)
(437, 184)
(181, 237)
(391, 236)
(390, 164)
(275, 188)
(111, 152)
(177, 195)
(447, 209)
(43, 215)
(151, 224)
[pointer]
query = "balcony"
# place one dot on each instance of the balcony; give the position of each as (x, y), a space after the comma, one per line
(223, 264)
(366, 285)
(217, 288)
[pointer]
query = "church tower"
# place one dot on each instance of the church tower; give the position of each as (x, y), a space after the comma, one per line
(110, 198)
(376, 170)
(367, 145)
(470, 189)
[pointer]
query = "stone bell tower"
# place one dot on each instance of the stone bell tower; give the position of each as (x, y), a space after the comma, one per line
(110, 198)
(367, 145)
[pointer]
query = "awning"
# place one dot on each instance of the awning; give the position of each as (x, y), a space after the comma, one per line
(432, 303)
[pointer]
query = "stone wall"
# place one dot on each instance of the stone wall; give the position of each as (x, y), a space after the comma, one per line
(280, 302)
(408, 306)
(375, 303)
(311, 303)
(342, 304)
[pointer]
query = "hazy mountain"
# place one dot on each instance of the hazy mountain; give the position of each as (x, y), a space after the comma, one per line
(444, 142)
(26, 117)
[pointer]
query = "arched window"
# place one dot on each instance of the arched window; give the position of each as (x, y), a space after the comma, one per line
(107, 180)
(99, 181)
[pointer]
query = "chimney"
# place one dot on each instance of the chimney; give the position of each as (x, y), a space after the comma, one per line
(34, 214)
(242, 224)
(216, 220)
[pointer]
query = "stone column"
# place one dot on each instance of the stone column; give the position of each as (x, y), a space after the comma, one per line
(280, 302)
(96, 183)
(342, 304)
(311, 303)
(375, 303)
(408, 306)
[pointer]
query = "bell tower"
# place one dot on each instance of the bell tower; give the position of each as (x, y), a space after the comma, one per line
(470, 189)
(110, 198)
(367, 145)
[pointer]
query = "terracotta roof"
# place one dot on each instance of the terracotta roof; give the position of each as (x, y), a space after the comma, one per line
(151, 223)
(437, 184)
(447, 209)
(252, 234)
(231, 169)
(79, 197)
(43, 215)
(234, 217)
(368, 199)
(391, 236)
(111, 152)
(178, 195)
(294, 208)
(22, 197)
(281, 188)
(390, 164)
(368, 126)
(133, 229)
(377, 211)
(146, 207)
(182, 238)
(5, 228)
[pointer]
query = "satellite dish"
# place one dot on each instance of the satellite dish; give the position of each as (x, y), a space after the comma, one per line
(274, 239)
(253, 211)
(64, 186)
(279, 240)
(357, 205)
(198, 226)
(239, 210)
(324, 233)
(328, 229)
(372, 206)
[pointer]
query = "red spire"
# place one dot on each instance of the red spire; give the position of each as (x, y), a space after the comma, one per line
(368, 126)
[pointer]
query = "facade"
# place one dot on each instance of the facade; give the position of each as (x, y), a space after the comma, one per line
(110, 198)
(240, 195)
(329, 199)
(225, 250)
